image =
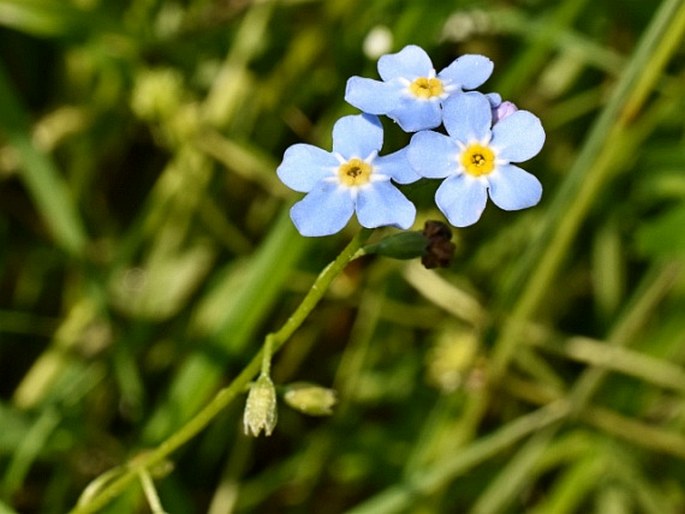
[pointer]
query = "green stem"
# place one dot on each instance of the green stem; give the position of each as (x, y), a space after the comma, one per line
(226, 395)
(150, 492)
(267, 353)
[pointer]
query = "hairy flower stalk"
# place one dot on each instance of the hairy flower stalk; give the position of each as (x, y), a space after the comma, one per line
(115, 482)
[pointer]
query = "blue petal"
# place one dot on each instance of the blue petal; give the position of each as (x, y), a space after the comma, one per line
(396, 166)
(381, 204)
(467, 117)
(512, 188)
(468, 71)
(357, 136)
(372, 96)
(461, 199)
(304, 165)
(518, 137)
(411, 62)
(494, 98)
(433, 155)
(324, 211)
(417, 114)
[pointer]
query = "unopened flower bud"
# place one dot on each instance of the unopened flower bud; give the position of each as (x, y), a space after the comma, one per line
(260, 409)
(402, 245)
(310, 399)
(503, 110)
(432, 245)
(439, 249)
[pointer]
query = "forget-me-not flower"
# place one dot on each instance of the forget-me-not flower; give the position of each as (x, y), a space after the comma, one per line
(475, 158)
(352, 178)
(411, 93)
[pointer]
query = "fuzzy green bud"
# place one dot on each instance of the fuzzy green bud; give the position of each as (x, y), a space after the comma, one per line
(260, 409)
(403, 245)
(310, 399)
(432, 244)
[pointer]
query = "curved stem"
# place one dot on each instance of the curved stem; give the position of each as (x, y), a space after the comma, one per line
(226, 395)
(150, 492)
(267, 353)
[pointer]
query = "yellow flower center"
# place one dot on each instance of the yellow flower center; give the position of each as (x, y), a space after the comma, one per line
(478, 160)
(424, 87)
(355, 172)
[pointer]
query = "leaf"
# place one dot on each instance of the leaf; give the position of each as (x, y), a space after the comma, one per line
(665, 235)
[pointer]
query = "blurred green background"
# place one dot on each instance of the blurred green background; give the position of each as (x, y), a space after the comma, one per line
(145, 250)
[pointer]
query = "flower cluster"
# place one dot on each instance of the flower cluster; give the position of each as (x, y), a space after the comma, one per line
(484, 136)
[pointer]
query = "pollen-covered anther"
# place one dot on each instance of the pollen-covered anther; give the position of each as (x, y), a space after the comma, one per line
(354, 172)
(478, 160)
(425, 87)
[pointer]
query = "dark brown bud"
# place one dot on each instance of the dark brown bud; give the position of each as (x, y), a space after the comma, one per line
(439, 249)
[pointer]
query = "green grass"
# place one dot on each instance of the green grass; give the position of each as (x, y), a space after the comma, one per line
(146, 252)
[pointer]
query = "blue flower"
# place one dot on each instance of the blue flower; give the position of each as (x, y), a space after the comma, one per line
(352, 178)
(475, 159)
(411, 93)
